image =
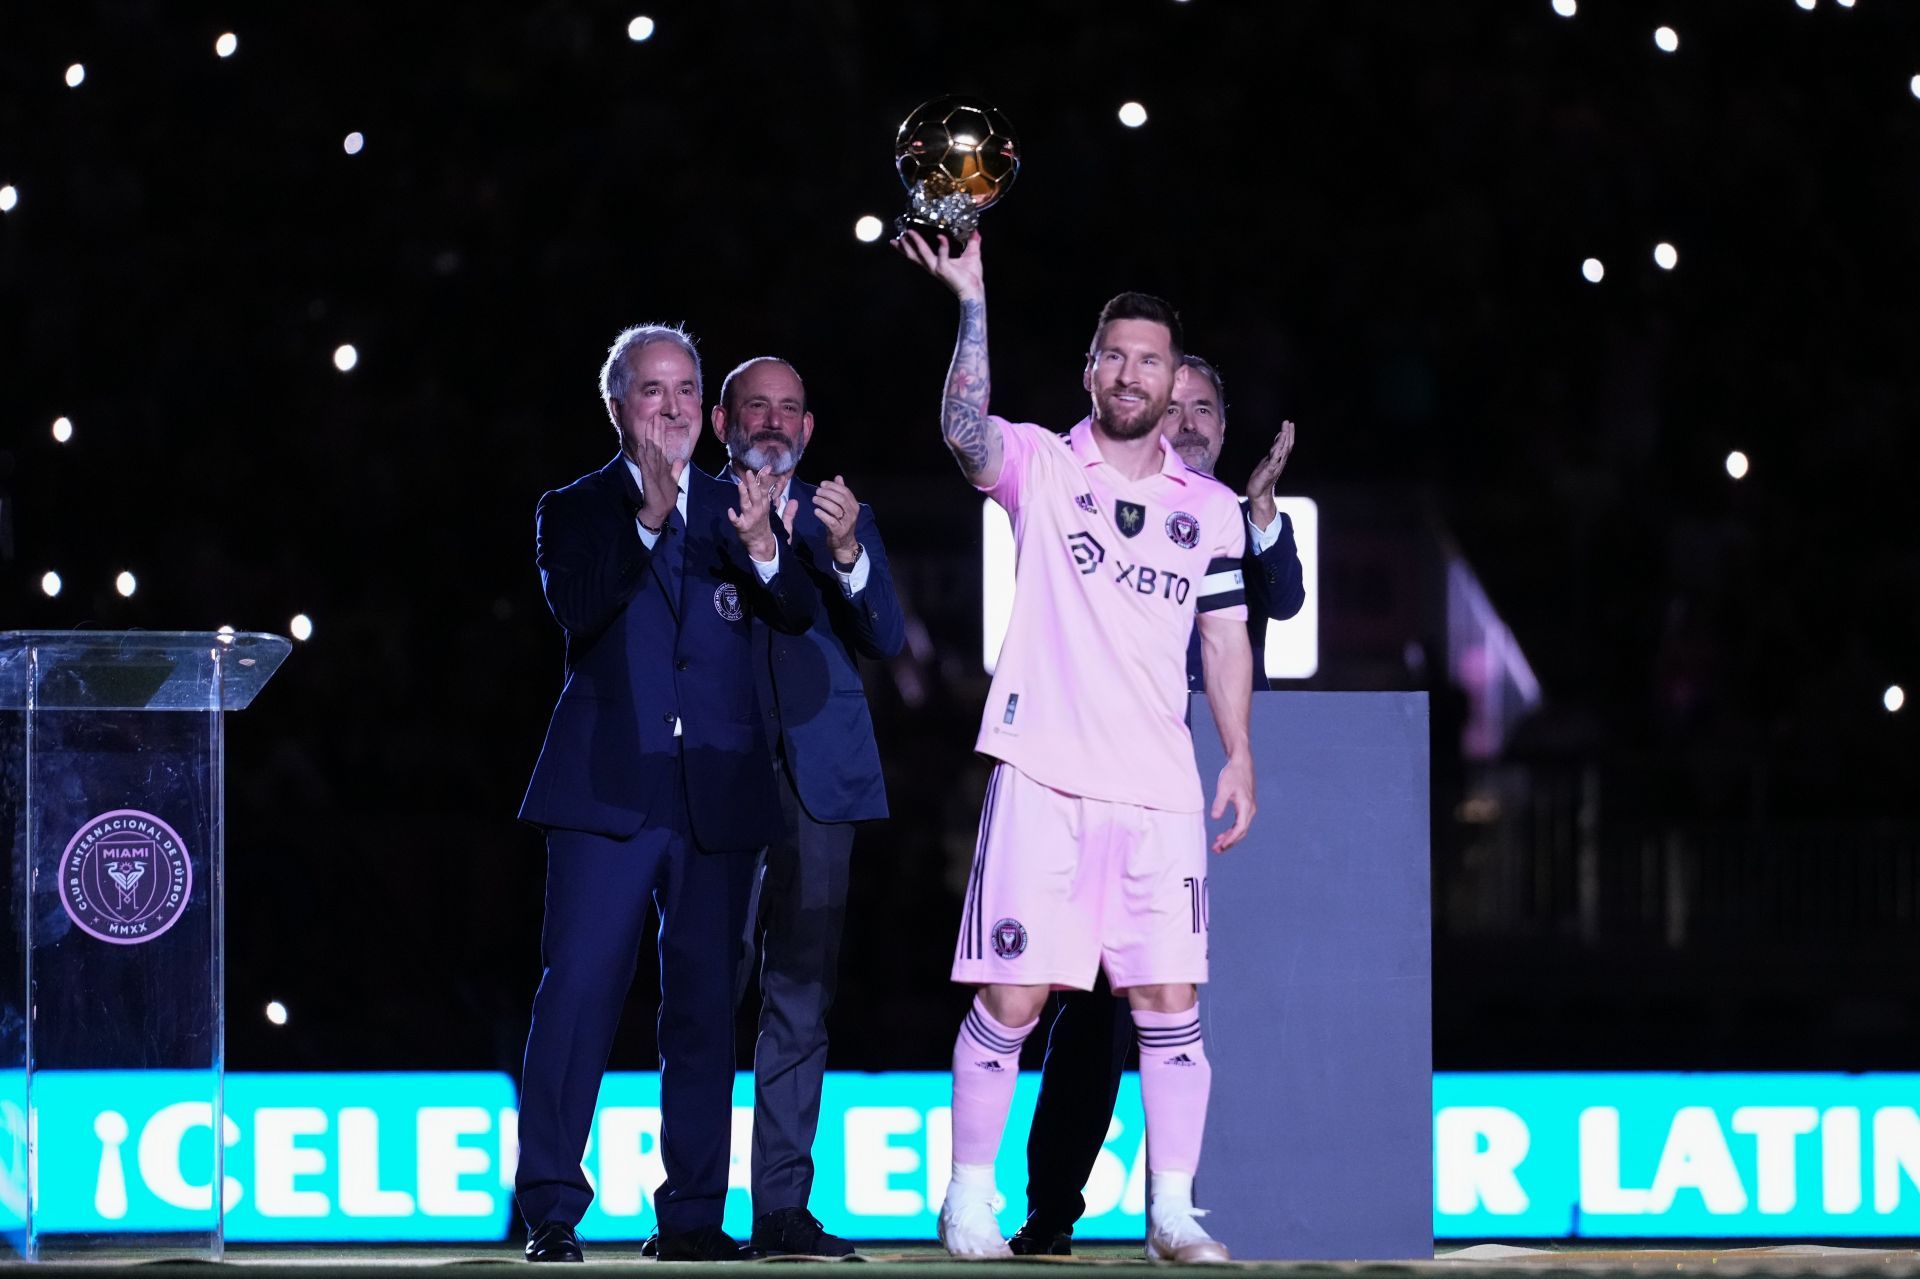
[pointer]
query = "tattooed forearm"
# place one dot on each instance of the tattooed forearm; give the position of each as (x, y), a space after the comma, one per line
(963, 414)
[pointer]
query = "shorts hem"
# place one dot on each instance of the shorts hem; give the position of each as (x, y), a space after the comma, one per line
(1053, 981)
(1131, 980)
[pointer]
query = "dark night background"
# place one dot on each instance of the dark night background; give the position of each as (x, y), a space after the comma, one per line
(1702, 850)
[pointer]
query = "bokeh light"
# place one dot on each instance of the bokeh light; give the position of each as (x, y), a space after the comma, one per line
(868, 229)
(76, 76)
(1738, 465)
(1594, 270)
(9, 197)
(126, 584)
(1132, 114)
(354, 143)
(50, 583)
(226, 45)
(62, 429)
(1894, 698)
(1667, 39)
(301, 627)
(1665, 256)
(345, 356)
(641, 28)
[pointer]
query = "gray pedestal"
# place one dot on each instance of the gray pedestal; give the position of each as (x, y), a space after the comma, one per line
(1319, 1013)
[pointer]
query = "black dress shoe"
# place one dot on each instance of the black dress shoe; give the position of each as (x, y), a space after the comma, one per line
(795, 1232)
(702, 1243)
(1036, 1238)
(553, 1241)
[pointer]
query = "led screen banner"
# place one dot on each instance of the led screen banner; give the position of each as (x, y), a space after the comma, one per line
(1676, 1155)
(384, 1157)
(387, 1157)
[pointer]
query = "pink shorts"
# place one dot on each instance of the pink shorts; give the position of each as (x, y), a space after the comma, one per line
(1062, 884)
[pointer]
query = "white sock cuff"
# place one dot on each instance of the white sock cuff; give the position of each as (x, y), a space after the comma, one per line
(974, 1176)
(1170, 1189)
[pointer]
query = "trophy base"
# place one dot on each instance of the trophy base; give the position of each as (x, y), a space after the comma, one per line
(930, 231)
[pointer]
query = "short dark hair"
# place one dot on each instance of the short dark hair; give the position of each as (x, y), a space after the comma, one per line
(1142, 306)
(726, 387)
(1212, 375)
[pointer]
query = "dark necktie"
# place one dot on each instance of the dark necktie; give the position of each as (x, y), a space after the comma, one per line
(670, 554)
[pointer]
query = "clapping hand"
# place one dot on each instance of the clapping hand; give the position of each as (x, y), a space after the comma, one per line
(751, 521)
(839, 510)
(1260, 508)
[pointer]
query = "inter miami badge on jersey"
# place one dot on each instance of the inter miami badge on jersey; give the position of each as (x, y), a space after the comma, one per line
(1130, 516)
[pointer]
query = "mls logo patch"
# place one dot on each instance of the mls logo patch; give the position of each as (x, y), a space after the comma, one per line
(726, 602)
(1183, 530)
(1009, 939)
(1130, 516)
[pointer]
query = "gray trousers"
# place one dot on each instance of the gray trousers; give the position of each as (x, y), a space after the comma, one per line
(801, 905)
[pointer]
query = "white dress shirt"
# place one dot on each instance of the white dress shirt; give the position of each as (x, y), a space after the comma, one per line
(1259, 539)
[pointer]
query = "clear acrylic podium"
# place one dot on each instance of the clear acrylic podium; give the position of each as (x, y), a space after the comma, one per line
(112, 782)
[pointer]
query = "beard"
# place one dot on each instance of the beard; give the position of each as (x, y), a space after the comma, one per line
(1194, 450)
(768, 448)
(1128, 424)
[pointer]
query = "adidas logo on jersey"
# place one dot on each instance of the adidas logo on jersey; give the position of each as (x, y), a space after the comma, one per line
(1181, 1060)
(994, 1066)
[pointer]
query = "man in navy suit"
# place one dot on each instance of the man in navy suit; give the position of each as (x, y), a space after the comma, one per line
(655, 787)
(1091, 1032)
(829, 777)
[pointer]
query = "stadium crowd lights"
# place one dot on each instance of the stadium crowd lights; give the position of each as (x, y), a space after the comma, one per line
(1667, 40)
(868, 229)
(50, 583)
(641, 28)
(1594, 270)
(62, 429)
(226, 45)
(1132, 114)
(76, 76)
(1894, 698)
(301, 627)
(1665, 256)
(10, 195)
(345, 356)
(1737, 465)
(126, 584)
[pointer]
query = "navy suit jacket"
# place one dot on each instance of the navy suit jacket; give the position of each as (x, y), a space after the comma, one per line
(1275, 589)
(636, 660)
(816, 704)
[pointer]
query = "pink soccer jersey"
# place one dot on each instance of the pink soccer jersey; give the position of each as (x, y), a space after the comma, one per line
(1090, 693)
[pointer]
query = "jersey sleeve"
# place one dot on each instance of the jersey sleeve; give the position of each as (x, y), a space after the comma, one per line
(1019, 454)
(1224, 589)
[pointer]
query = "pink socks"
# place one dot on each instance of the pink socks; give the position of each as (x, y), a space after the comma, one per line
(1175, 1079)
(986, 1063)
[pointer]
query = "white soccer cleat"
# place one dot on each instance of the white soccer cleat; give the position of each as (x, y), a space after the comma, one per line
(970, 1223)
(1174, 1235)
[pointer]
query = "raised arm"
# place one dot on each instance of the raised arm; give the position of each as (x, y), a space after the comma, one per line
(971, 435)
